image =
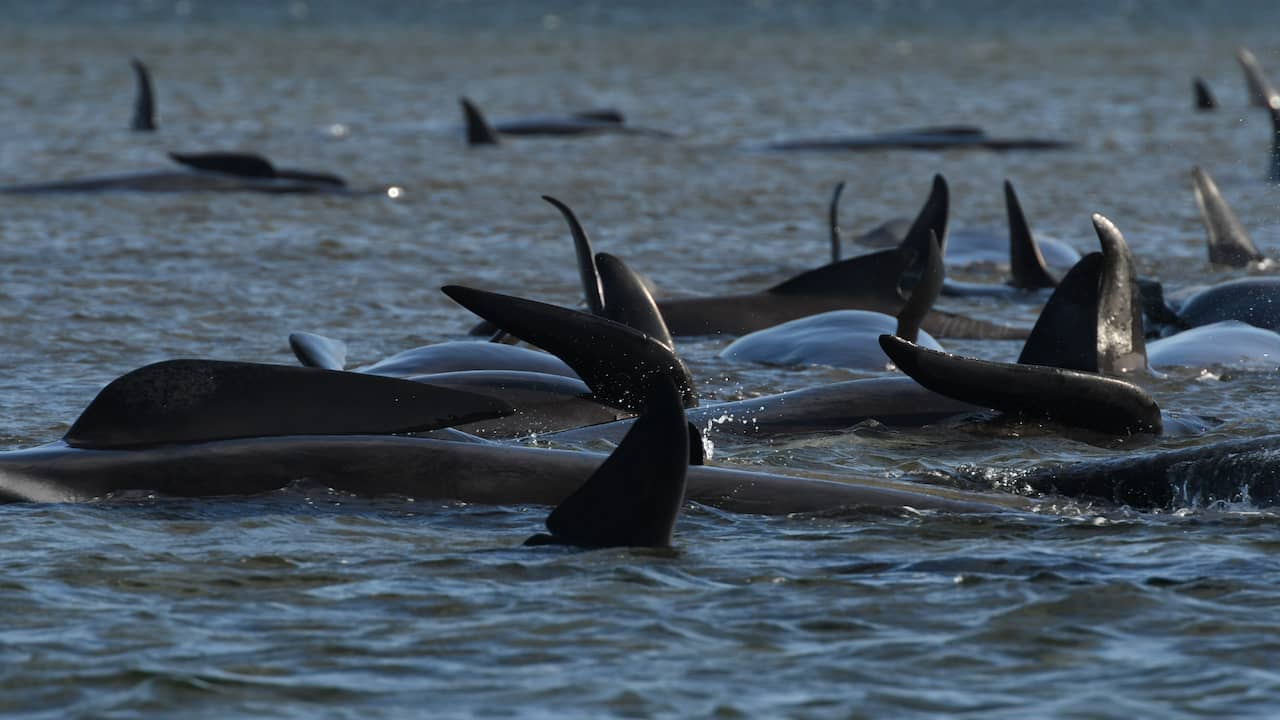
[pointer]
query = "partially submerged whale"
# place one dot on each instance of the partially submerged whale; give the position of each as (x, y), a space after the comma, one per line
(943, 137)
(205, 172)
(591, 122)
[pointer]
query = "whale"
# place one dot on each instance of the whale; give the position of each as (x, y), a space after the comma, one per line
(592, 122)
(1227, 344)
(205, 172)
(866, 282)
(1254, 300)
(144, 104)
(196, 428)
(845, 338)
(946, 137)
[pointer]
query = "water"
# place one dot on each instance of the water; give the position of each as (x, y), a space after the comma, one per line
(312, 604)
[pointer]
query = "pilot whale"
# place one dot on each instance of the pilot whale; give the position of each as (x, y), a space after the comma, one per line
(944, 137)
(206, 172)
(592, 122)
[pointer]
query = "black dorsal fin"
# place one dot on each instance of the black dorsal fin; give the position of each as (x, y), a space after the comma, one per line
(1026, 263)
(617, 362)
(628, 301)
(1273, 171)
(1229, 244)
(479, 131)
(1122, 345)
(930, 222)
(1066, 333)
(228, 163)
(879, 272)
(1204, 98)
(318, 351)
(1260, 90)
(833, 221)
(923, 294)
(587, 269)
(634, 498)
(186, 401)
(144, 102)
(1079, 399)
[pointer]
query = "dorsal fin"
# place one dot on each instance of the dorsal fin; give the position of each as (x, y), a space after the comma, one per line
(1066, 333)
(932, 218)
(1122, 346)
(1026, 264)
(1229, 244)
(880, 272)
(1260, 90)
(1086, 400)
(617, 362)
(318, 351)
(1273, 106)
(628, 301)
(1204, 98)
(144, 102)
(634, 498)
(833, 221)
(479, 131)
(587, 269)
(185, 401)
(238, 164)
(923, 294)
(612, 116)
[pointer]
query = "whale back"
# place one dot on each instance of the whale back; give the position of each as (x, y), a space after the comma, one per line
(239, 164)
(318, 351)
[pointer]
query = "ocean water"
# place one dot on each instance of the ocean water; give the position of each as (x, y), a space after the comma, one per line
(316, 604)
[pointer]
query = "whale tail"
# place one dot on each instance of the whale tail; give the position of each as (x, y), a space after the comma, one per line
(479, 131)
(318, 351)
(1026, 263)
(184, 401)
(1229, 244)
(618, 362)
(1204, 98)
(144, 103)
(634, 498)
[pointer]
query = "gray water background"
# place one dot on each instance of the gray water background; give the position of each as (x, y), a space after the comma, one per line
(310, 604)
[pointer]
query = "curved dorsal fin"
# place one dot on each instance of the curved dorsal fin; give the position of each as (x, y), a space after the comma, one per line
(923, 294)
(1260, 90)
(144, 103)
(228, 163)
(587, 269)
(1026, 264)
(628, 301)
(1079, 399)
(617, 362)
(930, 223)
(1204, 98)
(479, 131)
(1066, 332)
(833, 221)
(1229, 244)
(1122, 346)
(1273, 106)
(318, 351)
(634, 498)
(186, 401)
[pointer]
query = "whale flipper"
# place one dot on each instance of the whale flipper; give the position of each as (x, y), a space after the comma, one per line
(1204, 98)
(628, 301)
(144, 103)
(1260, 89)
(240, 164)
(183, 401)
(617, 362)
(1079, 399)
(587, 269)
(318, 351)
(923, 294)
(1026, 263)
(1229, 244)
(479, 131)
(634, 498)
(833, 221)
